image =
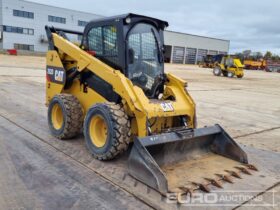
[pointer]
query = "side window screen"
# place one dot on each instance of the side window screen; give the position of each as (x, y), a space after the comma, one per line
(135, 44)
(110, 41)
(103, 40)
(149, 46)
(95, 40)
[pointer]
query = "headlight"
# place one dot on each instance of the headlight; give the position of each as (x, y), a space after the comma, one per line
(128, 20)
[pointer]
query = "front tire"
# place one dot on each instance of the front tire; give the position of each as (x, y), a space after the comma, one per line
(217, 71)
(65, 116)
(107, 130)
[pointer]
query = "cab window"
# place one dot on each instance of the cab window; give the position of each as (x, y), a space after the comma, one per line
(103, 40)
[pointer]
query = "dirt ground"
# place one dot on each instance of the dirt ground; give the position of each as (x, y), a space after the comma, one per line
(248, 109)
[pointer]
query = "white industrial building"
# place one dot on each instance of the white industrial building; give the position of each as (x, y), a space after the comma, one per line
(22, 27)
(190, 49)
(23, 23)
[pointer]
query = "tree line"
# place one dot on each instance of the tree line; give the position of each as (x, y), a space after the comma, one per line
(249, 55)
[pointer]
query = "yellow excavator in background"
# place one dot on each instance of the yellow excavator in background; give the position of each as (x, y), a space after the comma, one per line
(113, 88)
(229, 66)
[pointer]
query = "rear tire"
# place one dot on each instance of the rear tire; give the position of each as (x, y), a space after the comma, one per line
(65, 116)
(107, 130)
(224, 73)
(240, 76)
(217, 71)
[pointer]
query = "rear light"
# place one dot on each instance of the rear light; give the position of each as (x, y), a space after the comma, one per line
(48, 78)
(91, 52)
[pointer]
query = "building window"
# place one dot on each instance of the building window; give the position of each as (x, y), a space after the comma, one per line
(24, 47)
(18, 30)
(57, 19)
(24, 14)
(82, 23)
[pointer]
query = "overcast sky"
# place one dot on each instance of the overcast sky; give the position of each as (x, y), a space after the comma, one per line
(248, 24)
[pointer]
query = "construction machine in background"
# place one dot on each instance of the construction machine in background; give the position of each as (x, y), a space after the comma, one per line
(255, 65)
(267, 65)
(229, 66)
(114, 88)
(209, 61)
(272, 66)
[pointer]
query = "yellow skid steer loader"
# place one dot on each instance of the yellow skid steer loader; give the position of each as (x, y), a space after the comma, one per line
(113, 87)
(229, 67)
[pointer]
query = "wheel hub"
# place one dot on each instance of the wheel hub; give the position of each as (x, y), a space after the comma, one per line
(57, 117)
(98, 131)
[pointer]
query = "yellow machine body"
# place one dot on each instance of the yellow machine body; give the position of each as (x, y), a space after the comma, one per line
(137, 105)
(230, 67)
(255, 64)
(168, 149)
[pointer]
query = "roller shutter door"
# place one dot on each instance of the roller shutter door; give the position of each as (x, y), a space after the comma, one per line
(178, 55)
(201, 53)
(190, 56)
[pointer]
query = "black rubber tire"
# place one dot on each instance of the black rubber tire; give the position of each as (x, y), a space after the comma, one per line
(72, 116)
(119, 130)
(224, 73)
(240, 76)
(217, 71)
(230, 74)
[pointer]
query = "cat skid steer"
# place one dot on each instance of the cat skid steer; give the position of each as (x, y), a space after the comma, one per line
(114, 88)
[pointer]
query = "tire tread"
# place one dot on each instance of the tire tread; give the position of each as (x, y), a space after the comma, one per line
(122, 131)
(74, 116)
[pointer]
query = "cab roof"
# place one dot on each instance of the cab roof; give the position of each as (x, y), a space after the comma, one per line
(134, 18)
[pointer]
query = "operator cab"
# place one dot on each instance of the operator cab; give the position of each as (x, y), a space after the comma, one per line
(228, 62)
(134, 45)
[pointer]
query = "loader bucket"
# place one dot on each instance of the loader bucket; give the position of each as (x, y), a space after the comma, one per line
(187, 159)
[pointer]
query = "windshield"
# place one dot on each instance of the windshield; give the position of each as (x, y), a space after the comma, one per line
(229, 62)
(145, 67)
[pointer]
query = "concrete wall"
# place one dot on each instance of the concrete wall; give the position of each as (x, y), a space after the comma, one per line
(193, 41)
(41, 13)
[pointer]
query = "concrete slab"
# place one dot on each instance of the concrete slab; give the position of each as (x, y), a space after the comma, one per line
(34, 175)
(271, 200)
(219, 100)
(266, 140)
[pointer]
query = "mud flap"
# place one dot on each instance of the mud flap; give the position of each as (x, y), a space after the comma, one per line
(165, 161)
